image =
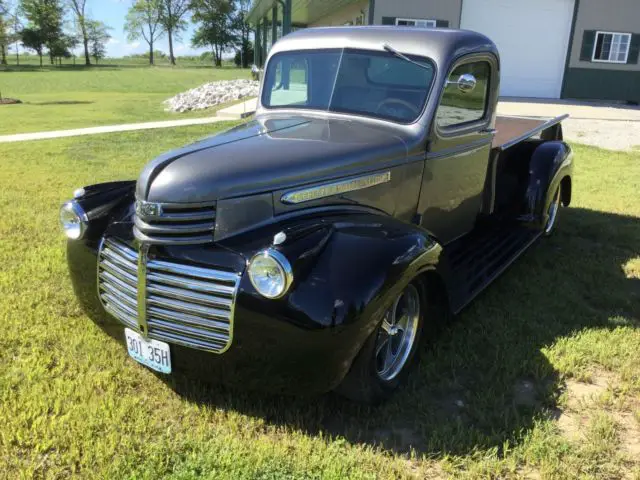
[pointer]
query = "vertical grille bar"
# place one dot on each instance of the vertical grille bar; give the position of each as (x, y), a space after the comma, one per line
(142, 290)
(173, 302)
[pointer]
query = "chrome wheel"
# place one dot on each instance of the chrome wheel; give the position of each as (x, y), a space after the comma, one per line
(397, 334)
(552, 213)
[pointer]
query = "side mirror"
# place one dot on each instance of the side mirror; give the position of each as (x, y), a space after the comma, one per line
(466, 83)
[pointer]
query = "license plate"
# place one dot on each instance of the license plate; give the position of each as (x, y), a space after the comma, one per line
(152, 353)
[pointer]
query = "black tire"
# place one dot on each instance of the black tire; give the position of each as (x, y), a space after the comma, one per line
(364, 382)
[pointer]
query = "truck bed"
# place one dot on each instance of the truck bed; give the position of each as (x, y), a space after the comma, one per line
(512, 130)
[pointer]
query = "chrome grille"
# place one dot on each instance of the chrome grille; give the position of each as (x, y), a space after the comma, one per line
(167, 224)
(184, 304)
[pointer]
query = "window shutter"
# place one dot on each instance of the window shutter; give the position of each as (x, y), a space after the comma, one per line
(388, 20)
(442, 23)
(588, 41)
(634, 49)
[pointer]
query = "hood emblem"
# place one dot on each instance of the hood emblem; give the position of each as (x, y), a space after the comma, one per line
(148, 209)
(335, 188)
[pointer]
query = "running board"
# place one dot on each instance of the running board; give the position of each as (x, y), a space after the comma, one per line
(480, 257)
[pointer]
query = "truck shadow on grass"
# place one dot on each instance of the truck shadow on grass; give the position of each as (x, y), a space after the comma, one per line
(485, 380)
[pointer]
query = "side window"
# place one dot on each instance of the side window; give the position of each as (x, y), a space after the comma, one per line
(459, 105)
(290, 82)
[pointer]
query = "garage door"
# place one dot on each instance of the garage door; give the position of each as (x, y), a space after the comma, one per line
(532, 36)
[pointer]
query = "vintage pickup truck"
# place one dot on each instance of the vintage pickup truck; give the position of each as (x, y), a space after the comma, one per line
(312, 247)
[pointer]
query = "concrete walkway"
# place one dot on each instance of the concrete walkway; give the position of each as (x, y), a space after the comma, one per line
(239, 110)
(129, 127)
(612, 126)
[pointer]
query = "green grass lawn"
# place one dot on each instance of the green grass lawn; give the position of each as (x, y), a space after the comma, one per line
(66, 97)
(539, 377)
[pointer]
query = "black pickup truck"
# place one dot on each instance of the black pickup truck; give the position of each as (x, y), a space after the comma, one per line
(312, 247)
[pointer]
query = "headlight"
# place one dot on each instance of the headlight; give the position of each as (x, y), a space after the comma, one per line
(73, 220)
(270, 273)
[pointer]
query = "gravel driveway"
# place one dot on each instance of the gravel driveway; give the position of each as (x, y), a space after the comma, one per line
(610, 126)
(609, 134)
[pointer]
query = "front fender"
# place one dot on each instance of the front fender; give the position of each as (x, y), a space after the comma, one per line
(550, 163)
(104, 202)
(346, 270)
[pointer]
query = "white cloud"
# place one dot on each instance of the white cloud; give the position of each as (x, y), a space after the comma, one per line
(132, 45)
(113, 41)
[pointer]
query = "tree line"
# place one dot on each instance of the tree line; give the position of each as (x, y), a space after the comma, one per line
(54, 28)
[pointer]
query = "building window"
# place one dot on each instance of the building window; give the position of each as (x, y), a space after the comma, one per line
(415, 22)
(611, 47)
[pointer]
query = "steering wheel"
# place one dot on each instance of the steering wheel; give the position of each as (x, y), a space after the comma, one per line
(389, 102)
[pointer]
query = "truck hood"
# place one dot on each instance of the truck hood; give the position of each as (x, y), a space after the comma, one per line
(269, 154)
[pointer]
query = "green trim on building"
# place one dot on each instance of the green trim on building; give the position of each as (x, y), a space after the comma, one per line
(576, 9)
(372, 6)
(590, 83)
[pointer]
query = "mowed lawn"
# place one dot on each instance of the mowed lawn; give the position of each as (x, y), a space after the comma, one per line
(57, 98)
(538, 378)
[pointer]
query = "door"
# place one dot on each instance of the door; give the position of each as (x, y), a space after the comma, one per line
(458, 156)
(532, 38)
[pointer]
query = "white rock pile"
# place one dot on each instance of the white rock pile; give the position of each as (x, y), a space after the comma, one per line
(212, 94)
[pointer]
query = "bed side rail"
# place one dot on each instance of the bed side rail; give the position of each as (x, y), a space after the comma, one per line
(549, 130)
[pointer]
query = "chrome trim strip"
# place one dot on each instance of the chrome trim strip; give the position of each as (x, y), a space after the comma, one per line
(188, 308)
(142, 289)
(198, 272)
(183, 216)
(119, 273)
(125, 252)
(162, 314)
(187, 330)
(173, 229)
(189, 296)
(335, 188)
(213, 347)
(200, 286)
(169, 240)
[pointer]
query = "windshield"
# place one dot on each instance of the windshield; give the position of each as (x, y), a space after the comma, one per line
(362, 82)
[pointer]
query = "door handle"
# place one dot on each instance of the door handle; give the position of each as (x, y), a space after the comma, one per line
(489, 131)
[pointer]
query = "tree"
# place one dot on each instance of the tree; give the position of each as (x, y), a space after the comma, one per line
(78, 7)
(143, 20)
(215, 29)
(61, 47)
(98, 35)
(244, 55)
(32, 38)
(44, 23)
(172, 19)
(5, 36)
(240, 24)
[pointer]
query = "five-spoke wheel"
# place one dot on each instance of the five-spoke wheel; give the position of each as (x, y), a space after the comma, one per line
(384, 361)
(397, 334)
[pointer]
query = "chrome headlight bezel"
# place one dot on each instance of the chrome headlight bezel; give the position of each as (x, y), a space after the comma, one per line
(74, 220)
(281, 264)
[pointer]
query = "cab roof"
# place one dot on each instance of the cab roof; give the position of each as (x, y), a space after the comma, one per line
(439, 44)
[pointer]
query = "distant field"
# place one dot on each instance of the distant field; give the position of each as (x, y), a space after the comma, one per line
(74, 97)
(33, 60)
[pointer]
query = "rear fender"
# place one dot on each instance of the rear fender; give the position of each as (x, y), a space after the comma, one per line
(550, 163)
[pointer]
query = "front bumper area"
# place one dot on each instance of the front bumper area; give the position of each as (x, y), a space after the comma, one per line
(270, 350)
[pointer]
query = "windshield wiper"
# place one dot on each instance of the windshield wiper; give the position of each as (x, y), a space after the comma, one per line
(395, 52)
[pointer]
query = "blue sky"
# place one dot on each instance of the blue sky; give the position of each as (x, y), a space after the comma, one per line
(113, 12)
